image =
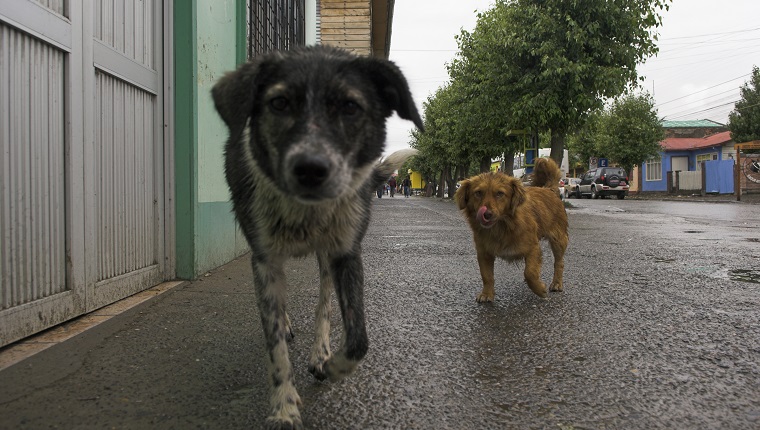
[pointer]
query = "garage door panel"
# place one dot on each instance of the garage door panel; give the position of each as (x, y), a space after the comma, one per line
(126, 203)
(127, 27)
(46, 24)
(37, 289)
(57, 6)
(33, 219)
(81, 157)
(126, 158)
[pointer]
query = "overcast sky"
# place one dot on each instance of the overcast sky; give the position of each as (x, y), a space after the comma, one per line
(707, 50)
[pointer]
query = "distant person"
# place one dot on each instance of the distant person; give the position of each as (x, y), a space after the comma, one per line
(392, 184)
(407, 186)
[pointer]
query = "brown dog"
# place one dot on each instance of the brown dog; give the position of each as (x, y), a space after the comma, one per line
(508, 220)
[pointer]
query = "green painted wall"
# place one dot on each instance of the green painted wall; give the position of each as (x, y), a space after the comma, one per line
(209, 40)
(216, 54)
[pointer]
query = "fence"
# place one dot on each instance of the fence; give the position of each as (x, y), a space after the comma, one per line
(680, 181)
(715, 177)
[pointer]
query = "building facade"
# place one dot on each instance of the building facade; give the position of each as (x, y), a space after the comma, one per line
(686, 146)
(111, 149)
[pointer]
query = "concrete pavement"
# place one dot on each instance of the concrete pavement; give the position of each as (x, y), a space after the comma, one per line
(640, 341)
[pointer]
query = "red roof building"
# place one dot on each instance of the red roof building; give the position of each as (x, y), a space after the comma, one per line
(692, 143)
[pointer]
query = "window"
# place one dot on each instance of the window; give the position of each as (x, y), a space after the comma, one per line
(654, 169)
(275, 24)
(705, 157)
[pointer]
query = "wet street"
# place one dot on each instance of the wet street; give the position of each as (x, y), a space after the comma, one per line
(658, 327)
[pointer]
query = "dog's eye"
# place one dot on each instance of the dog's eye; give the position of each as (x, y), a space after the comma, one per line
(350, 108)
(499, 194)
(279, 104)
(477, 194)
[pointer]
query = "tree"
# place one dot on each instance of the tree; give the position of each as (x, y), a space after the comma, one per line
(582, 143)
(484, 116)
(546, 64)
(436, 145)
(629, 132)
(744, 121)
(456, 135)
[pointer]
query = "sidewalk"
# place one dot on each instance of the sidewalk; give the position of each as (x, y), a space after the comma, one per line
(753, 198)
(153, 364)
(661, 340)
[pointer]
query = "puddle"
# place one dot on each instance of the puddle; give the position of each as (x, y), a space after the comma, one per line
(744, 275)
(657, 259)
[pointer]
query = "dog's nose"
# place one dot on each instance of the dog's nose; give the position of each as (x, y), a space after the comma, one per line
(487, 215)
(311, 170)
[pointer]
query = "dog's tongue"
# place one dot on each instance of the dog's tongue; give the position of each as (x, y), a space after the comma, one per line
(482, 211)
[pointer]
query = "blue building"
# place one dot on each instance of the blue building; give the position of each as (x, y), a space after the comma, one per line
(687, 145)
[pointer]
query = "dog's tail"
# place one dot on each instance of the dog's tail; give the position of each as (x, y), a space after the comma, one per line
(546, 173)
(385, 168)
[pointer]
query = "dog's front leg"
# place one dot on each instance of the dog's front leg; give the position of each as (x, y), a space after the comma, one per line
(271, 289)
(559, 245)
(486, 262)
(348, 275)
(320, 351)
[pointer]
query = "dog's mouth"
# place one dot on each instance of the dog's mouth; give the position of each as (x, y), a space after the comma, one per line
(315, 195)
(485, 217)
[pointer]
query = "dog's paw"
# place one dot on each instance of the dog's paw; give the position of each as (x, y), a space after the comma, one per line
(285, 414)
(283, 423)
(290, 336)
(556, 286)
(318, 371)
(338, 367)
(539, 290)
(484, 298)
(320, 353)
(543, 294)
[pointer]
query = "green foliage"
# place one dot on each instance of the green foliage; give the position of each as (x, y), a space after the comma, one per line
(548, 63)
(629, 132)
(542, 65)
(582, 144)
(744, 121)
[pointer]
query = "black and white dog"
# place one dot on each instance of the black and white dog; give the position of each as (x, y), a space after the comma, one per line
(307, 128)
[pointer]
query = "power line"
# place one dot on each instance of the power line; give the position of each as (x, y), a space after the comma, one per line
(733, 92)
(743, 50)
(681, 110)
(699, 43)
(710, 109)
(700, 91)
(701, 111)
(681, 45)
(715, 34)
(702, 62)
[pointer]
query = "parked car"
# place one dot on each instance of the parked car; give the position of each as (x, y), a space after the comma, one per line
(603, 182)
(569, 188)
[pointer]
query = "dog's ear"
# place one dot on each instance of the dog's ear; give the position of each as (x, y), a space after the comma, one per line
(233, 94)
(462, 195)
(391, 86)
(518, 196)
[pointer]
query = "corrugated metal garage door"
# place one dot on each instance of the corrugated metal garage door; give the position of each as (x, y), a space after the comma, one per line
(125, 195)
(81, 150)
